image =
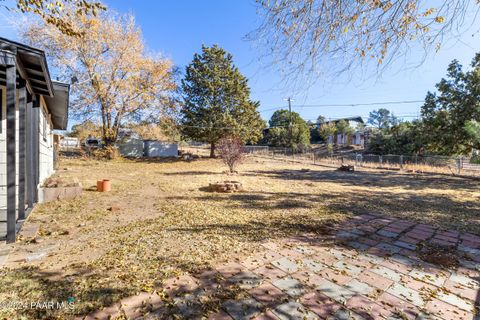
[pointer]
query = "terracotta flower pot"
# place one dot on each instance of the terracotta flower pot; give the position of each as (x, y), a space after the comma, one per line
(100, 185)
(107, 186)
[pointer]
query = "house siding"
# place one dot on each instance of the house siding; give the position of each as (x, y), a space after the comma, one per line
(3, 162)
(45, 154)
(46, 167)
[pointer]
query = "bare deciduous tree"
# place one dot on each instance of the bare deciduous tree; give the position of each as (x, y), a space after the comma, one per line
(115, 78)
(155, 131)
(85, 129)
(51, 11)
(231, 151)
(306, 36)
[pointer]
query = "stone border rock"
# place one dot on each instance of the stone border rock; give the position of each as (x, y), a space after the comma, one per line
(225, 186)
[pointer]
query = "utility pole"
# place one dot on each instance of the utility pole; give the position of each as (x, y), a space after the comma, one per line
(290, 124)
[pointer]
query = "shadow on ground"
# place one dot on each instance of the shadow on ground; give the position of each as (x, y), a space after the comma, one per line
(374, 179)
(96, 288)
(35, 288)
(440, 210)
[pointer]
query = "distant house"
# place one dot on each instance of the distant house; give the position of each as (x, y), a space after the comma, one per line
(32, 106)
(358, 138)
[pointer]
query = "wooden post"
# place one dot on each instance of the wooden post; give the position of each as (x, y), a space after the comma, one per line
(29, 154)
(11, 82)
(35, 124)
(22, 102)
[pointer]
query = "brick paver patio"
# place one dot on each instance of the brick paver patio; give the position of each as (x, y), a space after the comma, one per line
(369, 268)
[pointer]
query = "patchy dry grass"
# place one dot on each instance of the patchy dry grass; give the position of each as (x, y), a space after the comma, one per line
(167, 225)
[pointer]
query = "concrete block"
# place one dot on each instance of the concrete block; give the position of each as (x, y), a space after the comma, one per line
(61, 193)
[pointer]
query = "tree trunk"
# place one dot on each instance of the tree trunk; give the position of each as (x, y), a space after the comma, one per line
(109, 141)
(212, 150)
(111, 137)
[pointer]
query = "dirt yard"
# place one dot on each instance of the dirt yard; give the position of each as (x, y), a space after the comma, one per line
(159, 221)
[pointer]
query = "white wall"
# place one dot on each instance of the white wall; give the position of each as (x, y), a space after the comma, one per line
(69, 142)
(136, 147)
(160, 149)
(45, 145)
(131, 147)
(3, 169)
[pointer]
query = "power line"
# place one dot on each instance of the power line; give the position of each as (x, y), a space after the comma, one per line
(359, 104)
(271, 109)
(400, 115)
(348, 105)
(290, 124)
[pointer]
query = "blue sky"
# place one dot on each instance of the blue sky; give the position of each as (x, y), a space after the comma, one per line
(179, 28)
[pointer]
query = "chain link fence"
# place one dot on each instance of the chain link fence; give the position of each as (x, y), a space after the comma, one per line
(409, 163)
(414, 163)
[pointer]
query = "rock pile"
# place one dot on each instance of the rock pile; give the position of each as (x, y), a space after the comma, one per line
(225, 186)
(345, 167)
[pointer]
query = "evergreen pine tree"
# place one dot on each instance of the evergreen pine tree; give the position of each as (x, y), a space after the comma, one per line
(216, 100)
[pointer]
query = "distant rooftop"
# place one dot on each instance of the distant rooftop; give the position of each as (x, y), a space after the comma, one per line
(356, 119)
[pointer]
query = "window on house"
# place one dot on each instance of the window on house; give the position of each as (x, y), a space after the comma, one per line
(51, 134)
(44, 127)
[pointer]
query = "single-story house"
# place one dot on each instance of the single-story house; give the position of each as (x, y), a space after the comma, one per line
(341, 139)
(32, 106)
